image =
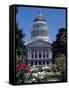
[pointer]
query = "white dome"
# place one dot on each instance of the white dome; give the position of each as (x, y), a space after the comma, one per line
(39, 28)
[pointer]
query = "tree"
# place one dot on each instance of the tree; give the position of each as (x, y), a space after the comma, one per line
(20, 47)
(60, 44)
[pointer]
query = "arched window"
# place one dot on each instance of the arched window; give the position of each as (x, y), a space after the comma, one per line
(31, 63)
(47, 53)
(35, 62)
(43, 62)
(35, 52)
(39, 55)
(39, 62)
(44, 53)
(37, 33)
(32, 53)
(47, 62)
(46, 50)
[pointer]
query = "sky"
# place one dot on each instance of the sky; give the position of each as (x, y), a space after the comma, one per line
(56, 19)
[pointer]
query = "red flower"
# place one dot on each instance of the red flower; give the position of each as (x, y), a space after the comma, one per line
(30, 73)
(22, 66)
(62, 61)
(62, 72)
(54, 66)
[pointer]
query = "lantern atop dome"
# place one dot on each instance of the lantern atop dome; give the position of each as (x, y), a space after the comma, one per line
(39, 17)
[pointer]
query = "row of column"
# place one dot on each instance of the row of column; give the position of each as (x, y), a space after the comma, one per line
(39, 33)
(42, 53)
(33, 63)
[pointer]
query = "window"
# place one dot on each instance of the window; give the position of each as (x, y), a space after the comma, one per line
(47, 62)
(32, 33)
(32, 63)
(32, 55)
(43, 62)
(35, 62)
(43, 55)
(32, 50)
(39, 62)
(47, 55)
(46, 33)
(35, 55)
(39, 55)
(46, 50)
(36, 26)
(40, 26)
(37, 33)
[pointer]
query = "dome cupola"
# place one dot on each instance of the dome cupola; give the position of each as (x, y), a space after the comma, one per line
(39, 17)
(39, 29)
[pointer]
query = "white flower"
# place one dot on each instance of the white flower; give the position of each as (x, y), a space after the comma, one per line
(42, 73)
(45, 68)
(41, 77)
(39, 73)
(35, 74)
(34, 80)
(58, 73)
(50, 73)
(34, 69)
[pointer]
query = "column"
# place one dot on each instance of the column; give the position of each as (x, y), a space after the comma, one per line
(38, 62)
(30, 52)
(45, 54)
(42, 62)
(45, 62)
(37, 53)
(33, 63)
(34, 53)
(41, 53)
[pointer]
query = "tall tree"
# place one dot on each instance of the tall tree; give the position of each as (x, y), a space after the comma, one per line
(20, 47)
(59, 46)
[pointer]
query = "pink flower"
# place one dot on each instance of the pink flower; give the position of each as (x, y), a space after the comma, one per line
(30, 73)
(62, 61)
(62, 72)
(54, 66)
(22, 66)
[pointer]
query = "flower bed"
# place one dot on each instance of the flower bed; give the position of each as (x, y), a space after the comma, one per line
(26, 74)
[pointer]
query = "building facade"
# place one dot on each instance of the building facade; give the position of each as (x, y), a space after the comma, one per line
(39, 47)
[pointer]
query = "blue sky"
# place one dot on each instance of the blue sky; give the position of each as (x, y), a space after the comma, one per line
(56, 19)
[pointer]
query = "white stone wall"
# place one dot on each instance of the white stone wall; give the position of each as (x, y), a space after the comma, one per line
(42, 52)
(46, 59)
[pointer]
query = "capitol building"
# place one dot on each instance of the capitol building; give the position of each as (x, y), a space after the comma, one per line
(39, 47)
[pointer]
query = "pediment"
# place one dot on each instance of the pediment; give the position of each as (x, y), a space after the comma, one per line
(39, 43)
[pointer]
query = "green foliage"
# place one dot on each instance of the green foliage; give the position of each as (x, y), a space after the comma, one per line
(61, 62)
(20, 47)
(59, 46)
